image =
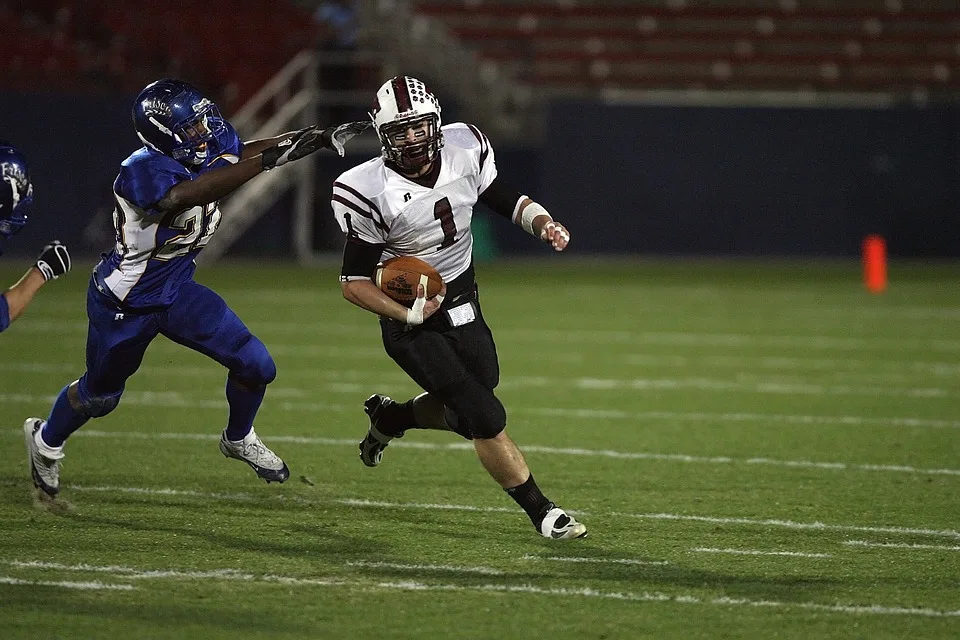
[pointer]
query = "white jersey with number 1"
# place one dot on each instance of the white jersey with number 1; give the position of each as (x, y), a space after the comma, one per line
(377, 205)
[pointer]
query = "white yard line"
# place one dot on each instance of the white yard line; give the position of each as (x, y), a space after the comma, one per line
(730, 340)
(155, 574)
(898, 367)
(641, 385)
(361, 502)
(894, 545)
(487, 571)
(730, 386)
(574, 336)
(85, 586)
(773, 418)
(533, 448)
(756, 552)
(179, 400)
(383, 504)
(630, 561)
(575, 592)
(790, 524)
(134, 574)
(892, 369)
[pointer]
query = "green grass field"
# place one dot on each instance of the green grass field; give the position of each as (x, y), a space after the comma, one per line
(759, 450)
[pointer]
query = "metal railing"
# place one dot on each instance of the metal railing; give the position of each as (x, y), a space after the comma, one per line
(488, 95)
(292, 99)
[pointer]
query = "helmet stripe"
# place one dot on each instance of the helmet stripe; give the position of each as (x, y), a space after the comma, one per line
(402, 93)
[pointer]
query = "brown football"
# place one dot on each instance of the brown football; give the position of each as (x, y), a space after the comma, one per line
(398, 278)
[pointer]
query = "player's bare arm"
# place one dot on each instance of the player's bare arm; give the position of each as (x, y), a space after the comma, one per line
(367, 295)
(209, 186)
(524, 212)
(20, 295)
(53, 262)
(360, 263)
(16, 200)
(216, 183)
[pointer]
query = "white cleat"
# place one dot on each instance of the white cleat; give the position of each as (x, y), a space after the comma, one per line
(45, 466)
(559, 526)
(261, 459)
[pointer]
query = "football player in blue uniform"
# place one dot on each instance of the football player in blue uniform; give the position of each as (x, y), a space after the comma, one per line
(16, 199)
(166, 211)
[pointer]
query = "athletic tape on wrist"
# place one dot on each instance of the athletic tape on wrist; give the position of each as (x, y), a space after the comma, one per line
(530, 212)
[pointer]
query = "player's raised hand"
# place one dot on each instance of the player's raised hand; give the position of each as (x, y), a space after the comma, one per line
(299, 145)
(424, 307)
(339, 135)
(54, 261)
(556, 235)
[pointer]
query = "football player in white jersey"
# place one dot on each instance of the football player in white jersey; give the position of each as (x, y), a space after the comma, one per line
(417, 199)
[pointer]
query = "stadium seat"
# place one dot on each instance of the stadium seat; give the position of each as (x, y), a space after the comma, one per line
(567, 47)
(69, 41)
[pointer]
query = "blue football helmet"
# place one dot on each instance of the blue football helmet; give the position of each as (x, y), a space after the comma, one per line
(174, 118)
(16, 192)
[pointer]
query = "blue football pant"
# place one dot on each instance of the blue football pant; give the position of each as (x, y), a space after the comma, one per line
(199, 319)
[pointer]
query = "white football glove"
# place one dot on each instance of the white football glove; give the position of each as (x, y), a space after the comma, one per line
(341, 134)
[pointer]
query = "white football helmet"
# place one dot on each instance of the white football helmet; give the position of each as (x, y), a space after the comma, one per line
(404, 102)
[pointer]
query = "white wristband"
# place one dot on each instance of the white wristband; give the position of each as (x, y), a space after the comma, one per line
(530, 212)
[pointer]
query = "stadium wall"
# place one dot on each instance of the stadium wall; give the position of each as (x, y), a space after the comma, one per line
(652, 180)
(755, 181)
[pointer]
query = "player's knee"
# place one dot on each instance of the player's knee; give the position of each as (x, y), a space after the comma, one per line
(90, 404)
(490, 420)
(473, 411)
(257, 367)
(98, 406)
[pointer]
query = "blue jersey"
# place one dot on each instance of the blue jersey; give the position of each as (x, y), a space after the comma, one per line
(4, 313)
(154, 254)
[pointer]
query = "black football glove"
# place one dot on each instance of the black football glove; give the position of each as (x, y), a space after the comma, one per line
(338, 136)
(299, 145)
(54, 261)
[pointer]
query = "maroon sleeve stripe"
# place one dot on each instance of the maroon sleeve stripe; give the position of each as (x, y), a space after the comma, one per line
(366, 214)
(359, 196)
(484, 145)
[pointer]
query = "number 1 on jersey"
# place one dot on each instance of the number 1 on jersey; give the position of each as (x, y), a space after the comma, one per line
(444, 213)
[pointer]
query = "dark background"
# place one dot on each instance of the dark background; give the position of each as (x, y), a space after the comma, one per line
(653, 180)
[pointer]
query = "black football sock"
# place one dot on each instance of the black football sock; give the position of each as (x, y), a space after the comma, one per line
(397, 418)
(529, 497)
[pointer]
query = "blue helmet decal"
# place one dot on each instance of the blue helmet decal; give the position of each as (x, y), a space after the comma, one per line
(175, 119)
(16, 191)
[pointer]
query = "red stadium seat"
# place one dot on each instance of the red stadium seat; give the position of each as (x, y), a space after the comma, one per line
(614, 43)
(136, 42)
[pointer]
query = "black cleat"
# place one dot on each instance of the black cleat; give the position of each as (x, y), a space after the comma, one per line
(373, 444)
